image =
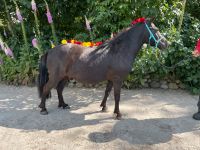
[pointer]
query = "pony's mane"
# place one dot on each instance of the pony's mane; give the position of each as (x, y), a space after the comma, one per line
(111, 44)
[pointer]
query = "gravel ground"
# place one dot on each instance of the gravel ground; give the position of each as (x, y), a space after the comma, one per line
(153, 119)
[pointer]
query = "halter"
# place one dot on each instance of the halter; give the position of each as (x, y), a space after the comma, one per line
(157, 41)
(143, 20)
(152, 36)
(156, 46)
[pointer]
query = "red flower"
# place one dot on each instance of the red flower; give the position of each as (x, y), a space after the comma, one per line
(198, 46)
(139, 20)
(98, 43)
(78, 42)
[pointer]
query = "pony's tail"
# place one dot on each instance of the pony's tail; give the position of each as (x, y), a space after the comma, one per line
(43, 76)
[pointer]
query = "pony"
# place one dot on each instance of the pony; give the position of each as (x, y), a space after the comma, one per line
(110, 61)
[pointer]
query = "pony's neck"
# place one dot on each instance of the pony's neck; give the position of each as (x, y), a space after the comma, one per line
(133, 41)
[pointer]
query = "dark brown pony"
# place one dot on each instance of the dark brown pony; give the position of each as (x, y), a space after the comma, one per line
(111, 61)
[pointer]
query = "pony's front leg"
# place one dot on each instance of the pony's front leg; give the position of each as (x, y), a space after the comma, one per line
(107, 92)
(117, 90)
(196, 116)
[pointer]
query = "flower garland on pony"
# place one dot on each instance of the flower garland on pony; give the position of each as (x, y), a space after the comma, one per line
(86, 44)
(91, 44)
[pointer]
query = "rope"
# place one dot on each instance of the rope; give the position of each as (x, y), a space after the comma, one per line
(175, 65)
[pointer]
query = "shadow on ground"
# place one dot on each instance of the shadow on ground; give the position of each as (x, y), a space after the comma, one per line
(147, 131)
(19, 110)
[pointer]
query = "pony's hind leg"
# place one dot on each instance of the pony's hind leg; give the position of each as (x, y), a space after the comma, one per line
(43, 101)
(107, 92)
(46, 90)
(60, 87)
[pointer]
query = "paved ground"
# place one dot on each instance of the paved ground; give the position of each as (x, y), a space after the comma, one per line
(153, 119)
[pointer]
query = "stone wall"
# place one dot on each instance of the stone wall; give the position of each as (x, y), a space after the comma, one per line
(147, 83)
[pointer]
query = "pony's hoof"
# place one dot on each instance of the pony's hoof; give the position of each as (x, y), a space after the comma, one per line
(40, 106)
(117, 116)
(104, 109)
(64, 106)
(44, 112)
(196, 116)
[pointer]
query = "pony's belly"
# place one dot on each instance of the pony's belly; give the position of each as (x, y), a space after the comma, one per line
(87, 76)
(88, 80)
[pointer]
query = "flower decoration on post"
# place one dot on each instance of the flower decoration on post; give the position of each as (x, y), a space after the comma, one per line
(19, 16)
(196, 51)
(138, 20)
(49, 16)
(33, 5)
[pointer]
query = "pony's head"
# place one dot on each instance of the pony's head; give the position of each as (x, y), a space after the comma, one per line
(153, 36)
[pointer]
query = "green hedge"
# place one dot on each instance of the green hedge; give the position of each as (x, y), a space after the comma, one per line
(106, 16)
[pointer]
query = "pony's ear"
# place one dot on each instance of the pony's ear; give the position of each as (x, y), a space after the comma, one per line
(151, 19)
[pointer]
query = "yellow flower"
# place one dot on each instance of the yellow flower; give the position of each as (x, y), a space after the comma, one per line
(84, 44)
(64, 41)
(89, 44)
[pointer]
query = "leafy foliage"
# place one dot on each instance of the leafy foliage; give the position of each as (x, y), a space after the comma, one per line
(106, 17)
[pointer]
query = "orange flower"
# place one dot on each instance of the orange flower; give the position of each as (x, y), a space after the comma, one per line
(72, 41)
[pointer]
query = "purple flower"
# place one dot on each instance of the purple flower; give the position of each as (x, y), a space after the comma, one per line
(49, 17)
(1, 61)
(35, 42)
(9, 52)
(19, 16)
(33, 4)
(2, 45)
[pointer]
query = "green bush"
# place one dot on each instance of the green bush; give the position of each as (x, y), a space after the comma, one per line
(106, 16)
